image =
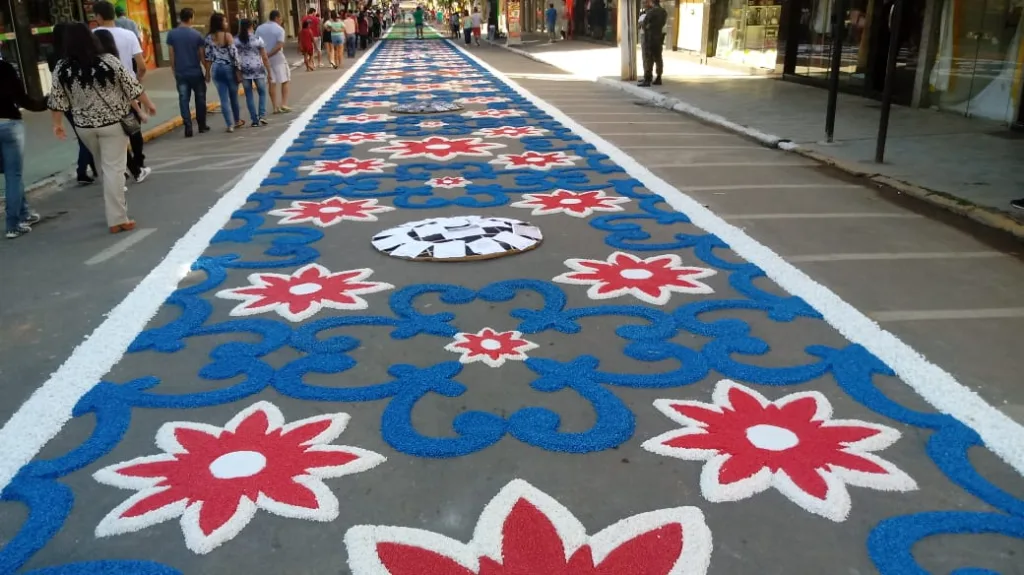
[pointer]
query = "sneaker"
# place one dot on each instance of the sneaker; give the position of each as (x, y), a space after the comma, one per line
(231, 129)
(264, 122)
(144, 173)
(256, 124)
(85, 180)
(1017, 204)
(17, 232)
(31, 218)
(188, 133)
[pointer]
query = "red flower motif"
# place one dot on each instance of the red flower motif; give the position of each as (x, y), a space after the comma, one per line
(452, 72)
(368, 104)
(302, 294)
(652, 280)
(425, 87)
(490, 346)
(215, 478)
(448, 182)
(523, 531)
(330, 211)
(347, 167)
(576, 204)
(489, 113)
(792, 444)
(373, 93)
(536, 160)
(438, 148)
(354, 138)
(362, 118)
(510, 132)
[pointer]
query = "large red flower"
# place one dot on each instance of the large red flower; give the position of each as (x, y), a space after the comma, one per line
(216, 478)
(438, 148)
(363, 118)
(354, 138)
(489, 113)
(536, 160)
(330, 211)
(523, 531)
(576, 204)
(347, 167)
(792, 444)
(491, 347)
(510, 132)
(302, 294)
(652, 280)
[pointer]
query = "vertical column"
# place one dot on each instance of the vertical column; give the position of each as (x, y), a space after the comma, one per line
(628, 38)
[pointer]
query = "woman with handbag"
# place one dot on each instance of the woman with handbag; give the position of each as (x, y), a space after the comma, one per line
(222, 65)
(98, 92)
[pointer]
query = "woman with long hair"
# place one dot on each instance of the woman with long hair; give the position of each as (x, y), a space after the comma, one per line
(98, 92)
(336, 49)
(85, 160)
(223, 68)
(252, 56)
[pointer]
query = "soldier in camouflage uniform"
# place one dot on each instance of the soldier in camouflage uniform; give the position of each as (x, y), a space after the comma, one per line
(652, 39)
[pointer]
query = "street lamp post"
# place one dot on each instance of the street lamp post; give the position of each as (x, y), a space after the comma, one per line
(628, 38)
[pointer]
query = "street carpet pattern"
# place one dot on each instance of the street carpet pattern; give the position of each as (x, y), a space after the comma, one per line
(301, 384)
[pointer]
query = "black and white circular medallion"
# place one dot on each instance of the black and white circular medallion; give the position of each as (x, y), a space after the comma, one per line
(459, 238)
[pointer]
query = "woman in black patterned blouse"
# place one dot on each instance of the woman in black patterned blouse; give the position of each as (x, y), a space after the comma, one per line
(98, 92)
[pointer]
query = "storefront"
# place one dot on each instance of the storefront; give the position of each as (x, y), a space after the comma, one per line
(744, 31)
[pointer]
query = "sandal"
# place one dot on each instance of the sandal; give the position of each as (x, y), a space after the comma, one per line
(125, 227)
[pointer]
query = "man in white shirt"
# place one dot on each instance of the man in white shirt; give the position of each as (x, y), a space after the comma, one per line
(130, 52)
(273, 37)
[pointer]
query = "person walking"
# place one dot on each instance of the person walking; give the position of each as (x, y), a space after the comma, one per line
(315, 28)
(551, 19)
(187, 52)
(652, 27)
(19, 216)
(374, 25)
(98, 91)
(130, 54)
(417, 19)
(223, 67)
(338, 40)
(252, 58)
(273, 37)
(85, 159)
(477, 19)
(306, 46)
(455, 25)
(123, 22)
(350, 34)
(467, 27)
(364, 31)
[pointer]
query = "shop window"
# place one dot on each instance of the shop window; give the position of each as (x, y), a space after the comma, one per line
(745, 31)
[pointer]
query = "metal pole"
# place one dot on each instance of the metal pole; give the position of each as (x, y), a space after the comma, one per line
(838, 19)
(890, 71)
(627, 38)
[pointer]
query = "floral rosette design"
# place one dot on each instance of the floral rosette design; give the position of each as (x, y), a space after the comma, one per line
(215, 479)
(575, 204)
(541, 161)
(524, 531)
(448, 182)
(491, 347)
(652, 280)
(330, 211)
(347, 167)
(438, 148)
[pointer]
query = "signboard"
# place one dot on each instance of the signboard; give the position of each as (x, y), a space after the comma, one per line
(515, 22)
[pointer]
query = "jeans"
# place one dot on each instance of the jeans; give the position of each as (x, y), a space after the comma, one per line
(350, 45)
(12, 148)
(227, 90)
(136, 159)
(188, 85)
(261, 88)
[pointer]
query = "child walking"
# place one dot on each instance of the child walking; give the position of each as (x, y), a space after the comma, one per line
(306, 45)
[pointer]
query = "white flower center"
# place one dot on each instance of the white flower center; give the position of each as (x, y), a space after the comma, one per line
(439, 146)
(305, 289)
(571, 201)
(772, 437)
(331, 210)
(636, 274)
(238, 464)
(490, 344)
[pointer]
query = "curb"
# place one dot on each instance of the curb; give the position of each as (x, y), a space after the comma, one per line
(984, 215)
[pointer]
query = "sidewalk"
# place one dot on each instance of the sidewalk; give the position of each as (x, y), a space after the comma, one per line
(946, 159)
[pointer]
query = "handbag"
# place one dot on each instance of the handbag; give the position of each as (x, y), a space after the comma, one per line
(129, 122)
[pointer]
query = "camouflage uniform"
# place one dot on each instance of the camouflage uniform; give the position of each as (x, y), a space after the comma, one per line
(655, 19)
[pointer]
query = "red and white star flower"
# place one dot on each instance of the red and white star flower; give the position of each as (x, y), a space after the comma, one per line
(431, 124)
(368, 104)
(752, 444)
(489, 113)
(362, 118)
(536, 160)
(354, 138)
(330, 211)
(652, 280)
(576, 204)
(524, 531)
(510, 132)
(438, 148)
(215, 479)
(448, 182)
(300, 295)
(373, 93)
(347, 167)
(491, 347)
(425, 87)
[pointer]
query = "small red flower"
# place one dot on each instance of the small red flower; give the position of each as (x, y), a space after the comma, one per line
(535, 160)
(424, 87)
(354, 138)
(652, 280)
(373, 93)
(792, 444)
(438, 148)
(362, 118)
(576, 204)
(330, 211)
(302, 294)
(489, 113)
(215, 479)
(347, 167)
(490, 346)
(448, 182)
(524, 531)
(510, 132)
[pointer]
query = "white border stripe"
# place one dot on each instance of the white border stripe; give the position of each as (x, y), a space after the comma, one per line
(1002, 435)
(43, 415)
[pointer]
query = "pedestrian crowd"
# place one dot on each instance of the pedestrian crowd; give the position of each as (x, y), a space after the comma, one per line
(97, 91)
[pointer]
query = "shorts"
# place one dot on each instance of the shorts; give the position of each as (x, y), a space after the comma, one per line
(318, 43)
(476, 32)
(337, 39)
(280, 73)
(419, 26)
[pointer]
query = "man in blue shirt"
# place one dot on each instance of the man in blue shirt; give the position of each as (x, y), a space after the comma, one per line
(187, 52)
(551, 15)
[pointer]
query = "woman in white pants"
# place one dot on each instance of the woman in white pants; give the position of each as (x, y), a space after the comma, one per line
(98, 92)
